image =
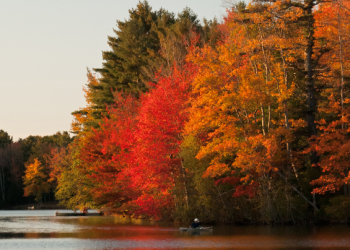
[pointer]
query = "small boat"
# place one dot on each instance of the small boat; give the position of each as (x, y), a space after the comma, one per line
(79, 214)
(196, 229)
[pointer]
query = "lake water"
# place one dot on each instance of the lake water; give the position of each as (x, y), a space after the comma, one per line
(41, 229)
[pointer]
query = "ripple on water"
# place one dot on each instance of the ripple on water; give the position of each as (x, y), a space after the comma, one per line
(69, 244)
(26, 230)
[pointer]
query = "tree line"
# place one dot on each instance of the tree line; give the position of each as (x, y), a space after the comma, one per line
(244, 120)
(25, 166)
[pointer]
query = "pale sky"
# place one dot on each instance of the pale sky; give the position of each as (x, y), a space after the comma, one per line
(45, 48)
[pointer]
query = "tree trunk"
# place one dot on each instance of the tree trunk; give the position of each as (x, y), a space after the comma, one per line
(313, 204)
(340, 39)
(262, 119)
(310, 80)
(286, 116)
(183, 171)
(2, 184)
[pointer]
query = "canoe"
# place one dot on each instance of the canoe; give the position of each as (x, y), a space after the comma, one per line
(196, 229)
(79, 214)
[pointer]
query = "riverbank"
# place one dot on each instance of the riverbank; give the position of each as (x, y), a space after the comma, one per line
(36, 206)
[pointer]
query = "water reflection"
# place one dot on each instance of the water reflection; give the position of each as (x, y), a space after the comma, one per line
(41, 229)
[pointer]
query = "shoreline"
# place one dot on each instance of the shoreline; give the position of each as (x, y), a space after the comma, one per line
(44, 206)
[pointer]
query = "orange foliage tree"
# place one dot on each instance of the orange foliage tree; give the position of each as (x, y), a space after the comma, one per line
(35, 180)
(242, 94)
(332, 145)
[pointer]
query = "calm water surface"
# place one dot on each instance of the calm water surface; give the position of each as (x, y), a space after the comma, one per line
(40, 229)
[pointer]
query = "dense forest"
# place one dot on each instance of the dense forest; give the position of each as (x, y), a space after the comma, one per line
(246, 120)
(21, 180)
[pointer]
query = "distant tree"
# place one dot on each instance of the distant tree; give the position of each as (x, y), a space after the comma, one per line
(11, 169)
(27, 145)
(11, 172)
(35, 180)
(15, 155)
(5, 139)
(60, 139)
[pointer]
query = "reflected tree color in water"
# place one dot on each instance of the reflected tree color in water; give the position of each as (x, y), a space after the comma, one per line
(41, 229)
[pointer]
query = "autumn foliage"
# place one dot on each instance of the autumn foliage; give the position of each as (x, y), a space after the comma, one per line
(257, 119)
(157, 167)
(35, 180)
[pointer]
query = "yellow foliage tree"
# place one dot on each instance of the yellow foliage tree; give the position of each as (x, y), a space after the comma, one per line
(35, 180)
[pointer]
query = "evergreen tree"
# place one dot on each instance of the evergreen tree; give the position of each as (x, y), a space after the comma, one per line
(5, 139)
(121, 70)
(144, 43)
(59, 139)
(175, 35)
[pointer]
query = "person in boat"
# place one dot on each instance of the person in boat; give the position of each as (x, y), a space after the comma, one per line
(195, 224)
